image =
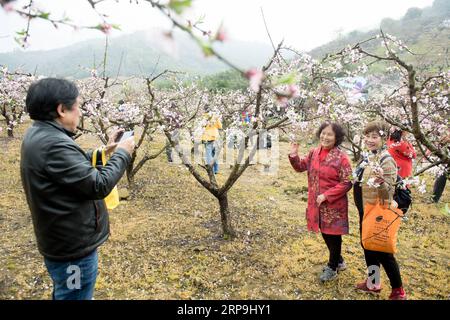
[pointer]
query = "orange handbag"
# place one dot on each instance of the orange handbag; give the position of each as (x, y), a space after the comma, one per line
(380, 227)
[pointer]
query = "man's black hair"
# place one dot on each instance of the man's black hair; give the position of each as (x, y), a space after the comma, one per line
(45, 95)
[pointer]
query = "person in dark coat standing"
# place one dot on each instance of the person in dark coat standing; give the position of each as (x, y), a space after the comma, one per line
(64, 192)
(329, 173)
(441, 179)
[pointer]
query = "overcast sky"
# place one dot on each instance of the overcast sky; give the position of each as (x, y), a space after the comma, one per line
(304, 24)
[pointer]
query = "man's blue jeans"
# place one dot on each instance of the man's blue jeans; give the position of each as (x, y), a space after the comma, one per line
(210, 154)
(73, 280)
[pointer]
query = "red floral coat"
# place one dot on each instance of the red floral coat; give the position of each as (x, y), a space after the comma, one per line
(330, 177)
(403, 152)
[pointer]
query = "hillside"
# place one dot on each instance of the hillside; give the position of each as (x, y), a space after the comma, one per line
(139, 53)
(425, 31)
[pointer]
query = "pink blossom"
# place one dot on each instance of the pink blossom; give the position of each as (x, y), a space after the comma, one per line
(8, 7)
(293, 91)
(221, 35)
(282, 100)
(168, 35)
(255, 78)
(106, 28)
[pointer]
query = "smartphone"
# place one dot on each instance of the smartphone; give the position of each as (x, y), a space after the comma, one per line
(125, 135)
(119, 136)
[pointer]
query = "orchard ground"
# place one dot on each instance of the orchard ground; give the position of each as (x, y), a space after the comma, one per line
(165, 240)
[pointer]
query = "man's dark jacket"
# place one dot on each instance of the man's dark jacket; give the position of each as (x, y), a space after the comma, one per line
(65, 192)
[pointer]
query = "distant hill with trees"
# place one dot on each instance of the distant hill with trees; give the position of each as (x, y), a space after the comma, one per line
(425, 31)
(139, 53)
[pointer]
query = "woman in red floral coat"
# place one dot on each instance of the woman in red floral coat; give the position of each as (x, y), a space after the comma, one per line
(329, 180)
(402, 151)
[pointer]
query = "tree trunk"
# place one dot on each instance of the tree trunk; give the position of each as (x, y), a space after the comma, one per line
(9, 126)
(130, 176)
(130, 171)
(225, 217)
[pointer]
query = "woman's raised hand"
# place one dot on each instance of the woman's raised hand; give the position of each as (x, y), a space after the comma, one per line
(294, 149)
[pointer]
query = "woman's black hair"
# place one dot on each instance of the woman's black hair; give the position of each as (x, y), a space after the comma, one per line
(396, 135)
(45, 95)
(337, 129)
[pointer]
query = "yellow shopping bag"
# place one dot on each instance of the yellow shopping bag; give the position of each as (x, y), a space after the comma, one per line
(112, 199)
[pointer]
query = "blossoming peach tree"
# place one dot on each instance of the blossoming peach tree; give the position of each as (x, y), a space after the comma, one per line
(406, 98)
(276, 100)
(108, 104)
(288, 95)
(13, 88)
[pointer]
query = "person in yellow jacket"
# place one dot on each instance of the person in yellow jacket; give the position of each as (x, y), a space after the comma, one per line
(209, 138)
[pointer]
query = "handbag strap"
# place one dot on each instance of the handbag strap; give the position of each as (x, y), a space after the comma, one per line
(95, 156)
(103, 156)
(385, 157)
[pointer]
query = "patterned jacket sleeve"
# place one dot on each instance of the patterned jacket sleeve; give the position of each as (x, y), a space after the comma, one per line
(301, 164)
(345, 183)
(387, 188)
(408, 150)
(404, 148)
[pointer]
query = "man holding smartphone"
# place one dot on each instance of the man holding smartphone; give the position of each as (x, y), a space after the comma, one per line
(64, 191)
(123, 135)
